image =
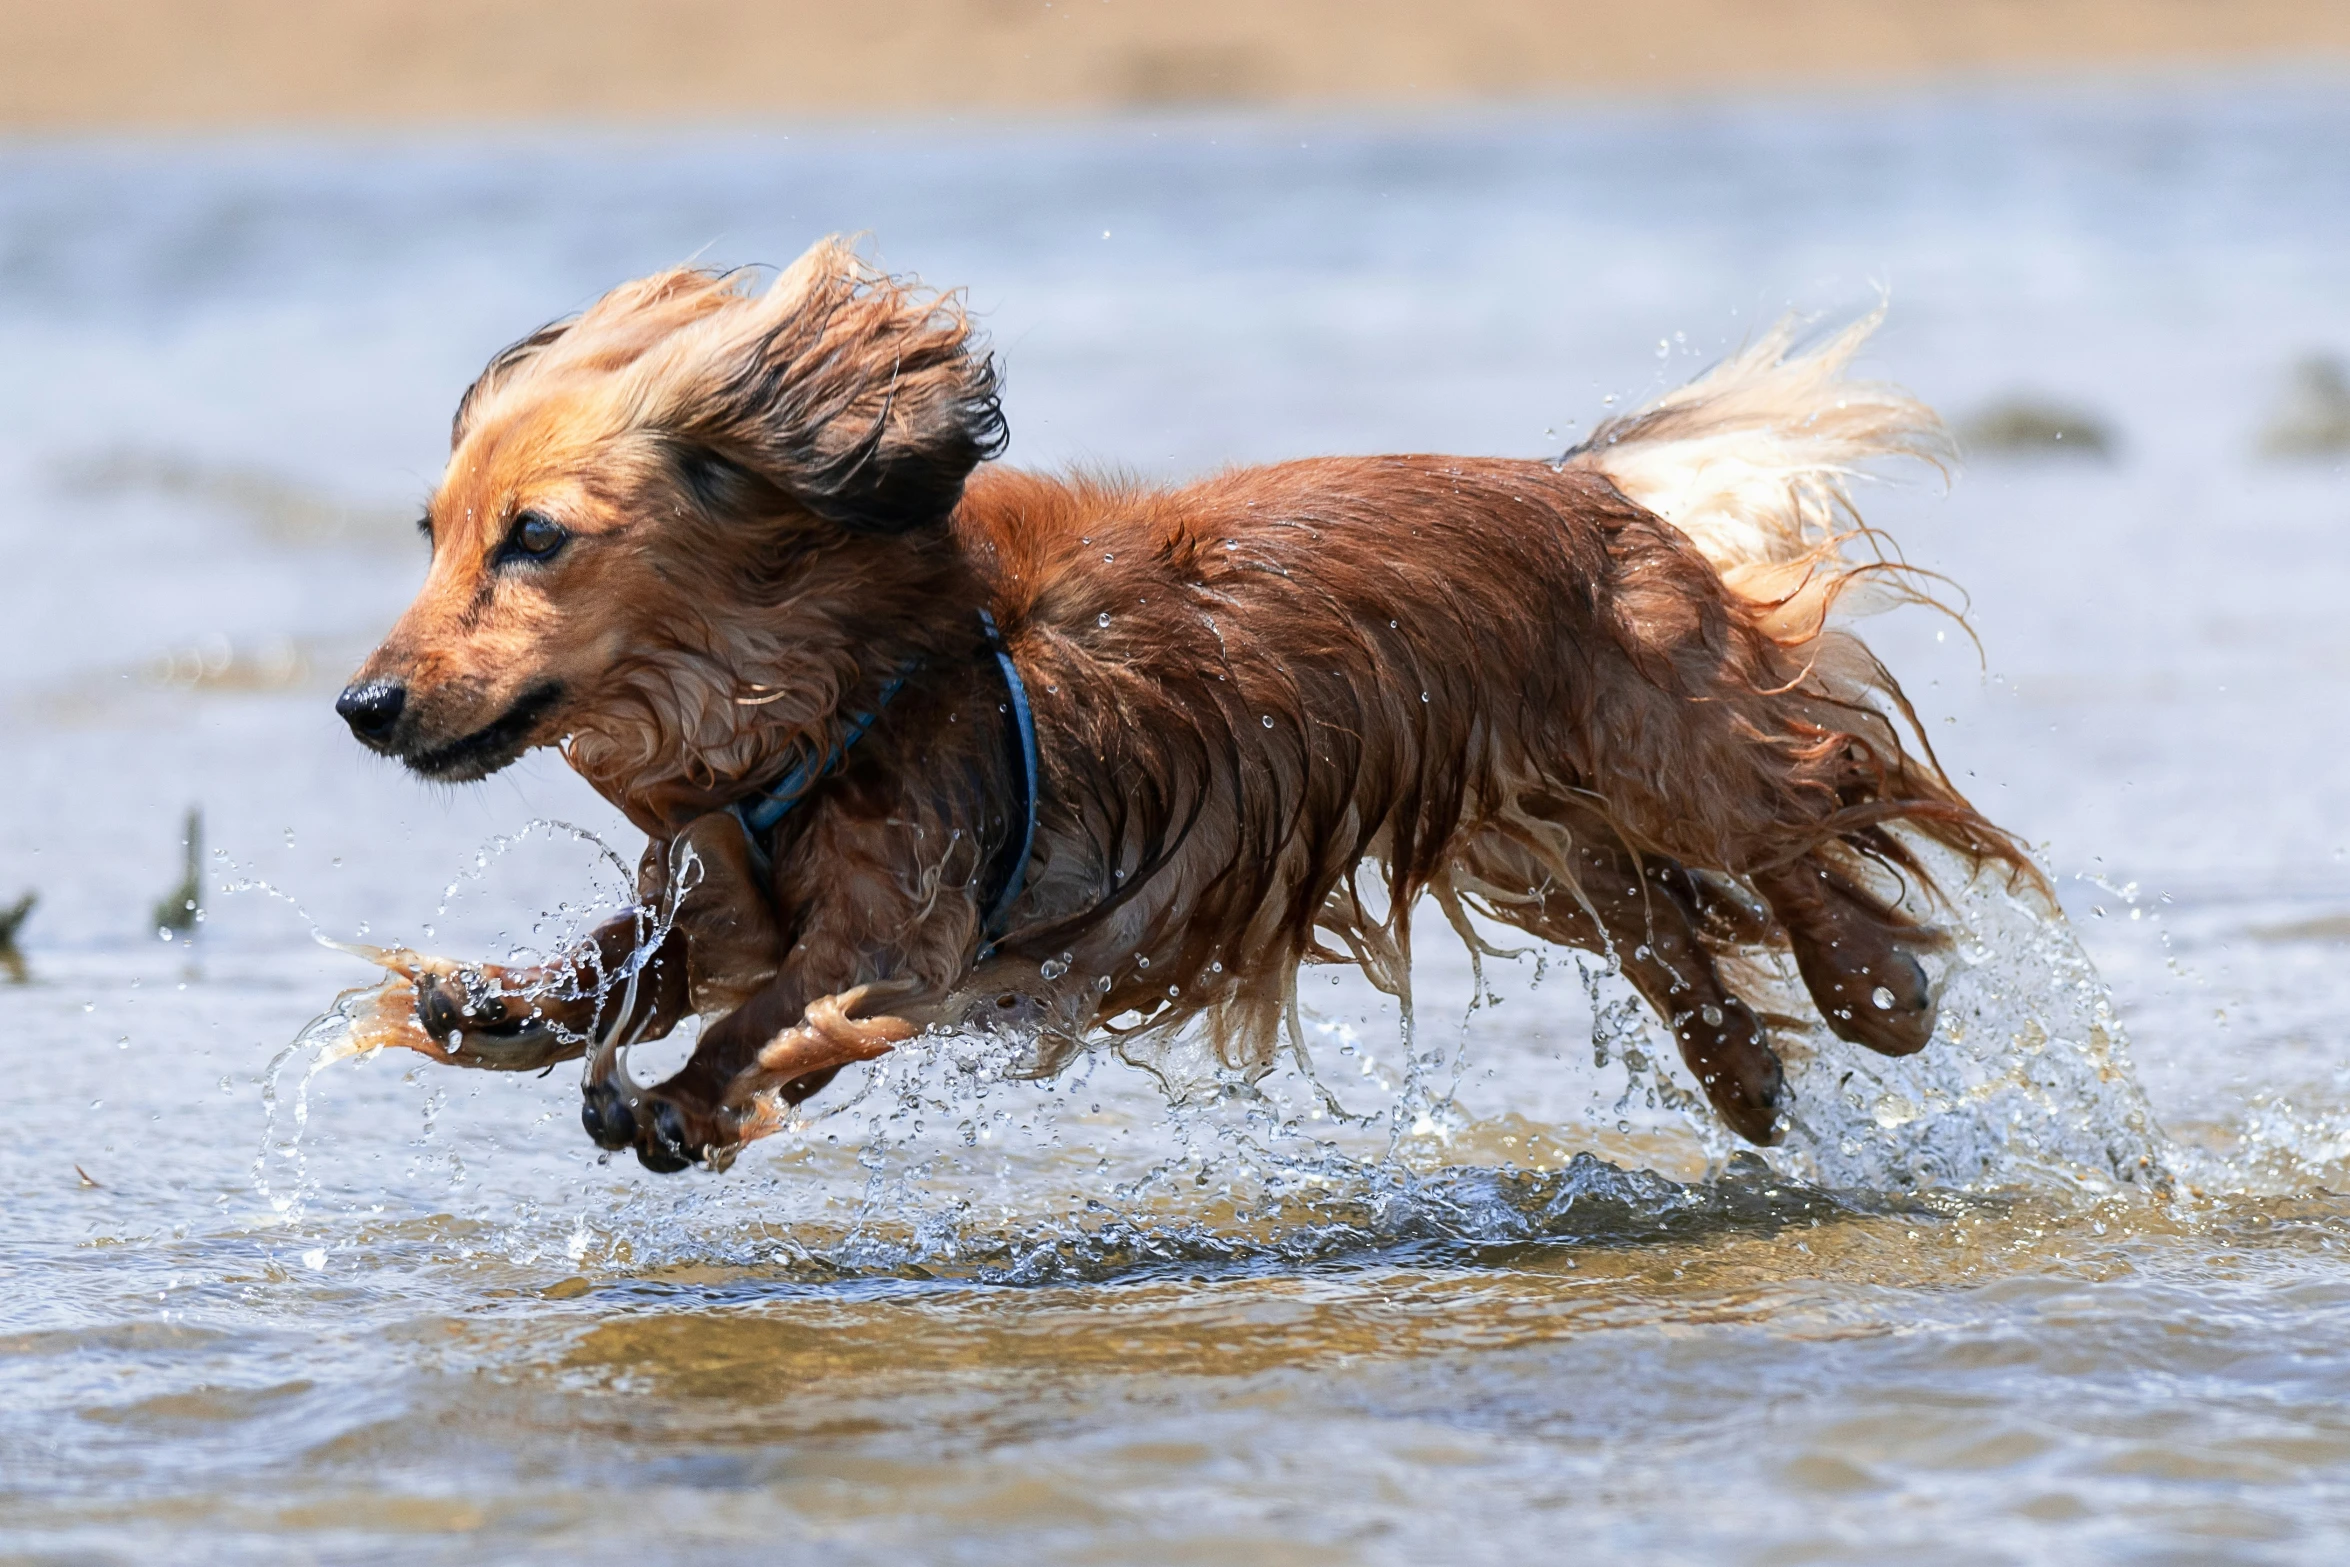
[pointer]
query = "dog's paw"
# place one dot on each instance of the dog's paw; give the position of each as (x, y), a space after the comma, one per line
(669, 1133)
(477, 1019)
(1887, 1005)
(1726, 1050)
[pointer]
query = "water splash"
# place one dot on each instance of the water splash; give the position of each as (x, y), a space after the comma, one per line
(281, 1170)
(947, 1154)
(2027, 1080)
(367, 1019)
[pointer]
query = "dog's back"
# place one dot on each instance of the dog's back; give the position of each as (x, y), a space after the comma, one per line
(1517, 683)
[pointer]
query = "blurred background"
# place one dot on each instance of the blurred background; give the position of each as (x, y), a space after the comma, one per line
(107, 64)
(251, 252)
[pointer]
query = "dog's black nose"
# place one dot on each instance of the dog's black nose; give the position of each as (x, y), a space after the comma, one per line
(372, 707)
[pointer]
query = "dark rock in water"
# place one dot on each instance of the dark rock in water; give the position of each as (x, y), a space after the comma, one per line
(2313, 419)
(12, 920)
(182, 907)
(2018, 426)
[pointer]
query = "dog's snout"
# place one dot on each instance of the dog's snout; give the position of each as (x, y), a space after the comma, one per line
(372, 707)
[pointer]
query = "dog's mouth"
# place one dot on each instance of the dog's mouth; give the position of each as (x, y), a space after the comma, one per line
(494, 745)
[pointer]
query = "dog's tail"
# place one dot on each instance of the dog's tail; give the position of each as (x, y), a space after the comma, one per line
(1753, 461)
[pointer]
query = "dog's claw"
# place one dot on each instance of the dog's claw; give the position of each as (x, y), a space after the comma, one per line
(672, 1127)
(604, 1111)
(663, 1148)
(1900, 1022)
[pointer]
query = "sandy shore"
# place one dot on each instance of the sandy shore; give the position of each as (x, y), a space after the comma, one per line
(100, 63)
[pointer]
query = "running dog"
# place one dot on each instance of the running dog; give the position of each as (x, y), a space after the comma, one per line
(921, 740)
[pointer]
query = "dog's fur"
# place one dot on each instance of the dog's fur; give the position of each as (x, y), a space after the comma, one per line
(1598, 698)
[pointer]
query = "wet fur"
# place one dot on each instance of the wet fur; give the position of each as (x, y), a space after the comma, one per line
(1598, 697)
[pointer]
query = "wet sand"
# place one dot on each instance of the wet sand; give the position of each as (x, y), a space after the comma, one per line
(441, 62)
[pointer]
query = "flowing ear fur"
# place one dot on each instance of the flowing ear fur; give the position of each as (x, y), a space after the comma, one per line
(612, 334)
(864, 398)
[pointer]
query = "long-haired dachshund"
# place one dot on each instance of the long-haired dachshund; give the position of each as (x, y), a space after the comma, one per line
(921, 740)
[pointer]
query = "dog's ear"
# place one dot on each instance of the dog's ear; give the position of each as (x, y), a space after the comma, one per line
(862, 397)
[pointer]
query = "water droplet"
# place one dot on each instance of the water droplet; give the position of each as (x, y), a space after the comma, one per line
(1423, 696)
(1052, 968)
(1102, 619)
(1141, 961)
(1216, 967)
(1712, 1015)
(1268, 720)
(1883, 998)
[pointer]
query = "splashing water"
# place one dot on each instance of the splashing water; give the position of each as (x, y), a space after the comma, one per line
(2027, 1079)
(370, 1018)
(2027, 1082)
(280, 1168)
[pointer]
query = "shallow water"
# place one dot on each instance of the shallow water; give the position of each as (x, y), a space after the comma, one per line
(401, 1312)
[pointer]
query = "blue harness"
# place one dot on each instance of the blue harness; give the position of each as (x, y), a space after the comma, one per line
(760, 812)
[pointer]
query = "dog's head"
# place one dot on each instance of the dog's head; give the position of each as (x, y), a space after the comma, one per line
(688, 469)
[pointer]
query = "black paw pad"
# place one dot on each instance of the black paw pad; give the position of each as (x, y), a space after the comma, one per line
(664, 1152)
(609, 1122)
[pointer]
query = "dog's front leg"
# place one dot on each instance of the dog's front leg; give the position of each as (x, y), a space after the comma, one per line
(507, 1019)
(872, 950)
(770, 1053)
(615, 988)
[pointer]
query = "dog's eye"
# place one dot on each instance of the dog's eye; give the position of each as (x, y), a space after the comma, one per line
(533, 537)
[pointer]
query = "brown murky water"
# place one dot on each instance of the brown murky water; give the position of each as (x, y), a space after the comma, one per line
(2071, 1288)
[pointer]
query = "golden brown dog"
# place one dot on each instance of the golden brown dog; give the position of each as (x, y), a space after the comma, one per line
(742, 554)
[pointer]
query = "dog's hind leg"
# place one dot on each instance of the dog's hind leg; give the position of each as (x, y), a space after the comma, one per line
(1648, 913)
(1858, 958)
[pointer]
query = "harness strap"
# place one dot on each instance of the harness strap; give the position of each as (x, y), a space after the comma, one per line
(1011, 868)
(762, 811)
(759, 813)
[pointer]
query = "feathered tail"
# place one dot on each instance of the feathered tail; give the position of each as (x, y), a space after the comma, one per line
(1753, 461)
